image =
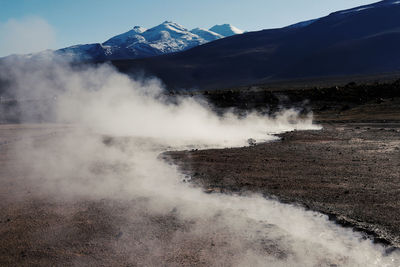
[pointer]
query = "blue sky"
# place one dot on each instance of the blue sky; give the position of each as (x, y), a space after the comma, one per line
(88, 21)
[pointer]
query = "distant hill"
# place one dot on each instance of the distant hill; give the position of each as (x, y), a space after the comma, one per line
(360, 41)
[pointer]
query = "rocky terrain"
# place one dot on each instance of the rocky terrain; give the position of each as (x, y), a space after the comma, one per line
(349, 171)
(351, 102)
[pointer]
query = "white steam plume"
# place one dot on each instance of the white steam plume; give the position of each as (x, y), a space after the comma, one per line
(26, 35)
(115, 128)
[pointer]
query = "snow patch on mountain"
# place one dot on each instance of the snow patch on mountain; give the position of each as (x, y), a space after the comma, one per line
(206, 34)
(127, 37)
(226, 30)
(302, 24)
(356, 10)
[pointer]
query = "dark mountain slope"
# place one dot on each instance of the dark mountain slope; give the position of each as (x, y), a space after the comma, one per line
(359, 41)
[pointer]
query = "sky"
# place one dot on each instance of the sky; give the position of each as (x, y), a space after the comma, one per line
(34, 25)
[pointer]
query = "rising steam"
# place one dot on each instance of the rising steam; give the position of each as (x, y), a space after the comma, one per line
(27, 35)
(107, 133)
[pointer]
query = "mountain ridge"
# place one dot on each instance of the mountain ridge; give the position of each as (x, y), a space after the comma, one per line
(361, 42)
(139, 42)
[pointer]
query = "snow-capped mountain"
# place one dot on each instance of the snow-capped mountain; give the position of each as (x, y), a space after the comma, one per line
(226, 30)
(360, 42)
(139, 42)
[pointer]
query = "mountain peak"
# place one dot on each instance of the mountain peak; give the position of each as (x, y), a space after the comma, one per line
(168, 26)
(171, 24)
(226, 30)
(139, 29)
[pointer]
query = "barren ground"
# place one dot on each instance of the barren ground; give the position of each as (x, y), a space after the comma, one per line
(348, 170)
(38, 228)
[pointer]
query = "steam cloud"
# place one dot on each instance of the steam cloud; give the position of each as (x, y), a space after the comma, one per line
(26, 35)
(105, 144)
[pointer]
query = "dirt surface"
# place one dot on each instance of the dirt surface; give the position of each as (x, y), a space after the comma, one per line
(39, 228)
(42, 232)
(349, 171)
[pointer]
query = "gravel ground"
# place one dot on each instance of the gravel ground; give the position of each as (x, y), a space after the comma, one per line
(40, 228)
(349, 171)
